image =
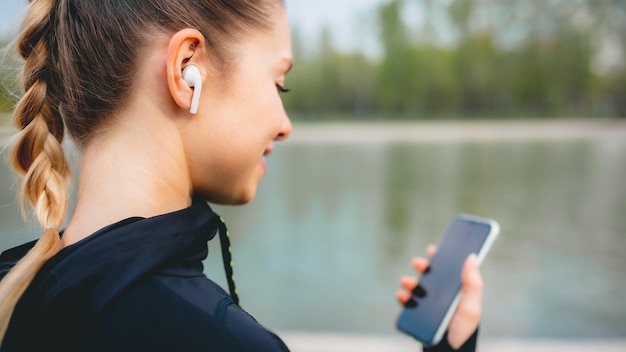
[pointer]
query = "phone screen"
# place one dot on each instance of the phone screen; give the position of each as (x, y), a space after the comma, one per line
(441, 283)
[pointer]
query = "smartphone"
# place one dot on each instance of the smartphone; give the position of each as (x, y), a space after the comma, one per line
(434, 300)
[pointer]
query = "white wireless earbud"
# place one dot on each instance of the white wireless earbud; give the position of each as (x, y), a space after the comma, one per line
(192, 76)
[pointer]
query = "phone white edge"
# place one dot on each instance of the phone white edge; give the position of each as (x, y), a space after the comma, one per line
(491, 237)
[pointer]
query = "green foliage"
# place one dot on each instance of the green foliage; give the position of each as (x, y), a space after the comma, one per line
(331, 82)
(509, 59)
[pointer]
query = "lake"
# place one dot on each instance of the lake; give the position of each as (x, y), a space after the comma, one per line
(338, 219)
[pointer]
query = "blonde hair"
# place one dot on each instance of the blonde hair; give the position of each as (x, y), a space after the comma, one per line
(37, 154)
(58, 40)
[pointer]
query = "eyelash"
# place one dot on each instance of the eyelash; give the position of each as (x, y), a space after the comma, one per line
(282, 89)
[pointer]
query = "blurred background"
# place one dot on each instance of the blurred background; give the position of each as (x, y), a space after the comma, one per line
(408, 113)
(424, 59)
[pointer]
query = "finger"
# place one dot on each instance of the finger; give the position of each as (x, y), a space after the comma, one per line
(420, 265)
(431, 250)
(403, 296)
(467, 316)
(408, 283)
(471, 278)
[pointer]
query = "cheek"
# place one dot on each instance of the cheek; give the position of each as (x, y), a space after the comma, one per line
(229, 167)
(234, 179)
(264, 118)
(228, 155)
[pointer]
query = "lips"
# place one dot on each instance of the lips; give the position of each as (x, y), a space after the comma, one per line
(263, 162)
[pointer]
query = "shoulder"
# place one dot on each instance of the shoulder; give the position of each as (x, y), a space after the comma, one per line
(150, 317)
(10, 257)
(157, 316)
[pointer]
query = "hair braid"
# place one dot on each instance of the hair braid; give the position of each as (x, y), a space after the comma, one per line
(37, 153)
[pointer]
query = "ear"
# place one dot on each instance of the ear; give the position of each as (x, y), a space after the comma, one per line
(186, 47)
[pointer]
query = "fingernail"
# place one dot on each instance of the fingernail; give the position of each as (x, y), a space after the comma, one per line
(419, 291)
(411, 303)
(473, 259)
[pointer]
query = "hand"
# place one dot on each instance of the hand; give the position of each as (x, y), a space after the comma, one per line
(467, 316)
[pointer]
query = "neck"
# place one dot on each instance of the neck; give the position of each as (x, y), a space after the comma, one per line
(138, 169)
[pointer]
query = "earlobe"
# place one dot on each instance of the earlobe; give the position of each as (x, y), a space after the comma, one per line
(184, 66)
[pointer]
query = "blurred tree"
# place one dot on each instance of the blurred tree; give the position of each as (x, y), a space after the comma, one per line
(608, 24)
(396, 80)
(330, 82)
(461, 13)
(553, 67)
(505, 58)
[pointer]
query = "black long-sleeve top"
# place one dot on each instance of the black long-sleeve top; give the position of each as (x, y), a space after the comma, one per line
(137, 285)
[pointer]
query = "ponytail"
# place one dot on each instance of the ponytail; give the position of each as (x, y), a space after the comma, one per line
(37, 153)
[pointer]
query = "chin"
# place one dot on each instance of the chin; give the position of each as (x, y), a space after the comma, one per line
(246, 197)
(242, 200)
(243, 197)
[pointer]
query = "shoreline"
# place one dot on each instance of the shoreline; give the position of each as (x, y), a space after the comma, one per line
(457, 131)
(445, 131)
(333, 342)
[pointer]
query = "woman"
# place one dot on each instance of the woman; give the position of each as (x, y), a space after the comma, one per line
(172, 104)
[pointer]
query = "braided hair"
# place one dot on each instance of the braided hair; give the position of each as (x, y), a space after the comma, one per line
(37, 153)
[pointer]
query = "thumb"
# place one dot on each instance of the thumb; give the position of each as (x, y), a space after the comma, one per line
(467, 316)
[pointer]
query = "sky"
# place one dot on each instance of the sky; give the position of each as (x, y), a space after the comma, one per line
(11, 12)
(344, 17)
(351, 21)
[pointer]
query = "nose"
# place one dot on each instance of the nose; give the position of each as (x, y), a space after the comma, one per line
(285, 128)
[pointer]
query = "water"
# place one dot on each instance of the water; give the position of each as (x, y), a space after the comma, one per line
(334, 226)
